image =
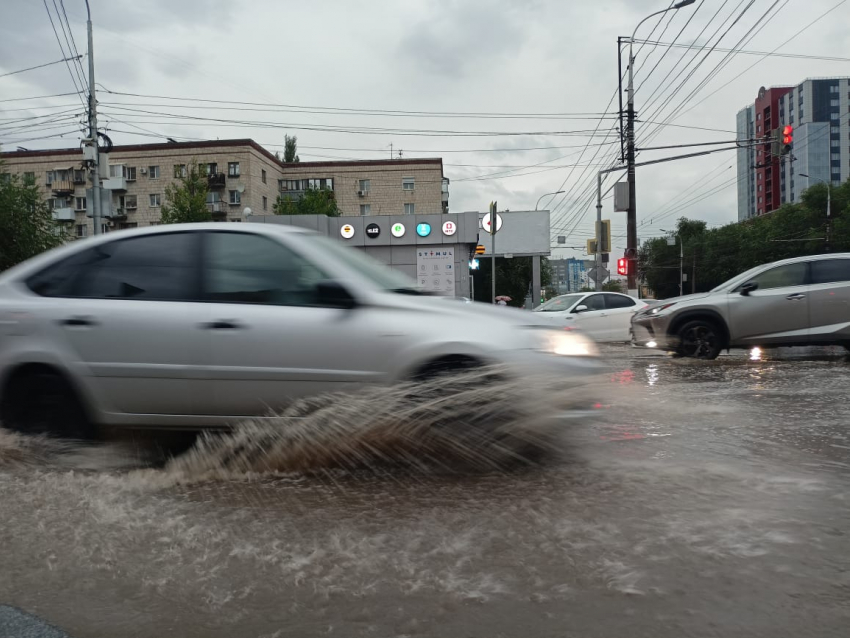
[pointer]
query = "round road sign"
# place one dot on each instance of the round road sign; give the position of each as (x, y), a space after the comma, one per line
(485, 223)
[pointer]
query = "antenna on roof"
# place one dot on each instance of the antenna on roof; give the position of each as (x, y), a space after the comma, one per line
(171, 140)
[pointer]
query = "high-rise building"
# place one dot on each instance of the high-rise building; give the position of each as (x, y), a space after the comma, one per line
(818, 110)
(568, 275)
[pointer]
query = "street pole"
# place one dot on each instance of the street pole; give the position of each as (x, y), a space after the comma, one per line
(95, 173)
(631, 214)
(493, 229)
(546, 195)
(598, 281)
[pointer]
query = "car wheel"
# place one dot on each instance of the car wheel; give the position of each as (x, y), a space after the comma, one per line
(699, 339)
(43, 402)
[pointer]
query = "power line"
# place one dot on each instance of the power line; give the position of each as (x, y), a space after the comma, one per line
(38, 97)
(71, 47)
(796, 56)
(40, 66)
(59, 42)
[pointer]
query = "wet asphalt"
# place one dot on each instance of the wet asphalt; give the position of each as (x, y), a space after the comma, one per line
(707, 499)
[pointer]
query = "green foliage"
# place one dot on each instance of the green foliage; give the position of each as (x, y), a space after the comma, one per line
(290, 149)
(513, 278)
(312, 202)
(586, 289)
(26, 224)
(186, 200)
(715, 255)
(613, 285)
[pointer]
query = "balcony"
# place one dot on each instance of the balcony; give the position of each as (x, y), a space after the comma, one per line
(217, 180)
(62, 187)
(118, 215)
(115, 184)
(65, 214)
(217, 209)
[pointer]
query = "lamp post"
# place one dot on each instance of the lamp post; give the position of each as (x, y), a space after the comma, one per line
(631, 215)
(546, 195)
(828, 213)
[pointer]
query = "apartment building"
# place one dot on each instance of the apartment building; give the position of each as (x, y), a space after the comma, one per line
(243, 179)
(568, 275)
(819, 112)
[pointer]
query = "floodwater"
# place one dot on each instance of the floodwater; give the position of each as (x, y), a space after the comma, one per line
(703, 499)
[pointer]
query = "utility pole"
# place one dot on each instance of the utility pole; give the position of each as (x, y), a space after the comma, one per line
(95, 173)
(598, 281)
(493, 228)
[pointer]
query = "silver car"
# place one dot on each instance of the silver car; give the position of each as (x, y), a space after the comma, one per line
(197, 325)
(794, 302)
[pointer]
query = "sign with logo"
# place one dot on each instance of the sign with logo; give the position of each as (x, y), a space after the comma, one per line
(485, 223)
(347, 231)
(423, 229)
(435, 269)
(449, 228)
(373, 230)
(398, 230)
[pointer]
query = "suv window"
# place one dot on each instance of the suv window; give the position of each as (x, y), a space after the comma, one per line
(781, 277)
(618, 301)
(246, 268)
(593, 302)
(827, 271)
(152, 267)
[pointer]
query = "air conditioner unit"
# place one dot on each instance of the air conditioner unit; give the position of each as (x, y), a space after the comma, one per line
(143, 171)
(362, 193)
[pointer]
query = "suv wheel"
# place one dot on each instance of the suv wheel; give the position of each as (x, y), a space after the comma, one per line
(699, 339)
(43, 402)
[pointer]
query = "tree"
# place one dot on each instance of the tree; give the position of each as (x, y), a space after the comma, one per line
(613, 285)
(513, 278)
(186, 200)
(314, 201)
(290, 149)
(26, 223)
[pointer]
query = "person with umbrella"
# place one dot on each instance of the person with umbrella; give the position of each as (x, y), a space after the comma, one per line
(502, 300)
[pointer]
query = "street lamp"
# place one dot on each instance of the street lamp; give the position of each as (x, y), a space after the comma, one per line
(546, 195)
(828, 215)
(631, 215)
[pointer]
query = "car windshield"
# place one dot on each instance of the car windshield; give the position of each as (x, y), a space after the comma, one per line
(365, 266)
(563, 302)
(737, 279)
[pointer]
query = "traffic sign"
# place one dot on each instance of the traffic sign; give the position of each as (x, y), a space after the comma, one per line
(598, 274)
(485, 223)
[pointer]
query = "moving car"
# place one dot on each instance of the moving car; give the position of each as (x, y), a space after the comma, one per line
(794, 302)
(605, 316)
(197, 325)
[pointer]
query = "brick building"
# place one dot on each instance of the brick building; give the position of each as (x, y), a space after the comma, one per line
(241, 175)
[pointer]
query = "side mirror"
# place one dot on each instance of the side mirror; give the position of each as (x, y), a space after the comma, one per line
(580, 308)
(331, 294)
(748, 287)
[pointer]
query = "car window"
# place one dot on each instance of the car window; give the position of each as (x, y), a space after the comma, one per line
(594, 302)
(151, 267)
(781, 276)
(827, 271)
(618, 301)
(246, 268)
(556, 304)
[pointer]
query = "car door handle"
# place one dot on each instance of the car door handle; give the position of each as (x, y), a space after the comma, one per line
(78, 322)
(796, 296)
(222, 324)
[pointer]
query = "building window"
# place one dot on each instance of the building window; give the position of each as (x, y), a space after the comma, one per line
(407, 183)
(127, 201)
(758, 128)
(759, 188)
(208, 169)
(155, 200)
(82, 230)
(29, 178)
(834, 102)
(263, 176)
(235, 198)
(153, 172)
(130, 173)
(365, 185)
(154, 223)
(833, 116)
(365, 209)
(760, 200)
(125, 225)
(79, 203)
(833, 89)
(265, 203)
(180, 170)
(835, 156)
(758, 117)
(834, 143)
(759, 176)
(233, 169)
(409, 209)
(835, 170)
(213, 197)
(104, 228)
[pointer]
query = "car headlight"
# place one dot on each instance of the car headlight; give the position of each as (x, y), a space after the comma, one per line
(657, 309)
(567, 343)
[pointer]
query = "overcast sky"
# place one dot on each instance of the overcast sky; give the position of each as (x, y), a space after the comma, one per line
(526, 58)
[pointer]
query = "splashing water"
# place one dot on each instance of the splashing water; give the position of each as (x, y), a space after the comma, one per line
(475, 420)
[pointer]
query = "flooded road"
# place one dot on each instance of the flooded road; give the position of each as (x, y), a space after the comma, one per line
(707, 499)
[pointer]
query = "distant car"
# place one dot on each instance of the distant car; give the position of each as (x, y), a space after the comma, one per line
(198, 325)
(605, 316)
(795, 302)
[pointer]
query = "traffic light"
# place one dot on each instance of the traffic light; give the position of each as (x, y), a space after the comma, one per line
(787, 138)
(622, 266)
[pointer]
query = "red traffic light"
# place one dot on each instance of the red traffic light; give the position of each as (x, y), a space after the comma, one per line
(788, 135)
(623, 266)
